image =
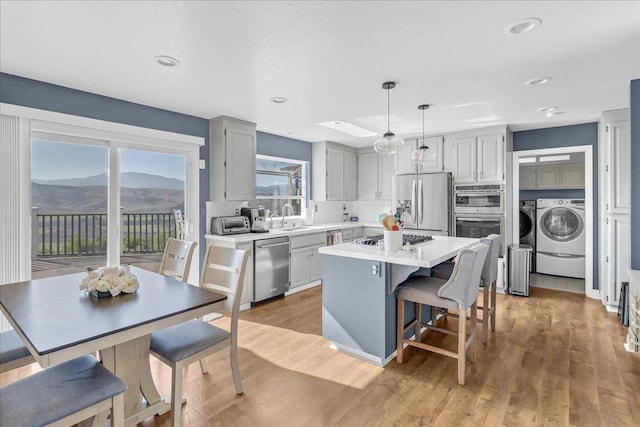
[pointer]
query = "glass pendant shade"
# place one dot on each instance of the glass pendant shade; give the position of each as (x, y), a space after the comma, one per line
(389, 144)
(422, 155)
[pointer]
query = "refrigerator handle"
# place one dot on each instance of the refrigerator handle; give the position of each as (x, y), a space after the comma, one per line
(421, 203)
(414, 207)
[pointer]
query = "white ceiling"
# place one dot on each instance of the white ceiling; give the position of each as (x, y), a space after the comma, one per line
(330, 59)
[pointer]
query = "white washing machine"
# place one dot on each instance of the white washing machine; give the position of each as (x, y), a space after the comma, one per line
(560, 241)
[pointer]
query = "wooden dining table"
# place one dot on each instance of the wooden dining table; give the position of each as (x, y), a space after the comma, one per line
(57, 321)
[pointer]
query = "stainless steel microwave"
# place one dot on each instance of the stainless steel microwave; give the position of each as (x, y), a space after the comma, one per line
(479, 199)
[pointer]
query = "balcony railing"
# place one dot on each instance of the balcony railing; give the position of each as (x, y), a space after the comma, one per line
(75, 234)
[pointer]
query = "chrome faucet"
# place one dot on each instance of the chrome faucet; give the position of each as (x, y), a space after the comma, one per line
(271, 220)
(286, 205)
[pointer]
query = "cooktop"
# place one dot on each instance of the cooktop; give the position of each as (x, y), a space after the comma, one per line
(406, 238)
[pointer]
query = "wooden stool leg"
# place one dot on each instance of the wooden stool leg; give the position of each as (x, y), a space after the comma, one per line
(493, 306)
(418, 313)
(400, 330)
(472, 335)
(485, 313)
(462, 338)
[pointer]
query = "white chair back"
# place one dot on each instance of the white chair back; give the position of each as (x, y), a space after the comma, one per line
(176, 260)
(223, 272)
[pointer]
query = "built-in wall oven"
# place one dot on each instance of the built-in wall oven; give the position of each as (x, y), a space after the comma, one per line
(479, 211)
(479, 198)
(477, 226)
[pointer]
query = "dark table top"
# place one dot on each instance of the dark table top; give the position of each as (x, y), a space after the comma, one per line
(54, 314)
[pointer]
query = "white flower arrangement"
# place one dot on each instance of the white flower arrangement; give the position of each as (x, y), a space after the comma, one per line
(115, 280)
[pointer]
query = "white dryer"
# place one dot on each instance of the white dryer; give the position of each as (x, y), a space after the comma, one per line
(560, 241)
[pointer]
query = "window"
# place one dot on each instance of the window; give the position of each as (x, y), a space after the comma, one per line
(281, 181)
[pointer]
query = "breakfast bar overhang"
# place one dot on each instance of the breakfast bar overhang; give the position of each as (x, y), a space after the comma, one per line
(358, 299)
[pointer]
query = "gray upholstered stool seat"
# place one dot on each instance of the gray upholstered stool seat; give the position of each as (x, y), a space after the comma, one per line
(443, 270)
(424, 290)
(12, 348)
(186, 339)
(58, 392)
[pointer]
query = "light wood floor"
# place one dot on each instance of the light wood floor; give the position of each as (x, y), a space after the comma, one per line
(556, 359)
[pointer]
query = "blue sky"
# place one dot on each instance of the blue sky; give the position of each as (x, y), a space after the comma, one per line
(57, 160)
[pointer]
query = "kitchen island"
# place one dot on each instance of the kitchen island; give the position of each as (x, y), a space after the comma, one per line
(358, 300)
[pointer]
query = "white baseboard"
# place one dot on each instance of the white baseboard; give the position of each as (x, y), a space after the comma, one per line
(303, 287)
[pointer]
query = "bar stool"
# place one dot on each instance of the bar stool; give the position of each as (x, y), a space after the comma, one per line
(488, 281)
(457, 293)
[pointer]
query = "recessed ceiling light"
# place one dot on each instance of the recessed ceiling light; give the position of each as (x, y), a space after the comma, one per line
(348, 128)
(522, 26)
(167, 61)
(547, 109)
(527, 160)
(538, 81)
(559, 158)
(279, 99)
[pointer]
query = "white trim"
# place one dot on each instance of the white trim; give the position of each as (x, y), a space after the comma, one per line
(588, 196)
(115, 136)
(94, 127)
(303, 287)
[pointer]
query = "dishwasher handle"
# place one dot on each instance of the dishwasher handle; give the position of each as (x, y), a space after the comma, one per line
(273, 245)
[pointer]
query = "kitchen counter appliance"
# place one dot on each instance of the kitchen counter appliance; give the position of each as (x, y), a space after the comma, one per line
(270, 268)
(427, 199)
(224, 225)
(257, 219)
(479, 199)
(406, 238)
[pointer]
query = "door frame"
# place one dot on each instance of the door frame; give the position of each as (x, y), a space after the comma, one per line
(119, 136)
(588, 202)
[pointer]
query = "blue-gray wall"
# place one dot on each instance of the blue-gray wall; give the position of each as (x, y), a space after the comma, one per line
(634, 116)
(45, 96)
(289, 148)
(568, 136)
(551, 194)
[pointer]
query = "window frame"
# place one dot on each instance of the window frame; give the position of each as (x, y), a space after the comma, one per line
(304, 170)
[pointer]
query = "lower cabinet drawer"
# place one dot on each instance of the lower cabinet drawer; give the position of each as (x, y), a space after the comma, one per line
(308, 240)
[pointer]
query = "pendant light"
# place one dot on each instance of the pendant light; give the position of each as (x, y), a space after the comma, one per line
(389, 143)
(424, 152)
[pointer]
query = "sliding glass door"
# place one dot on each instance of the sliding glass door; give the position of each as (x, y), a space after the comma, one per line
(97, 203)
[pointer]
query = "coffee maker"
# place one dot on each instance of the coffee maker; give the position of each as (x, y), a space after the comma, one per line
(257, 220)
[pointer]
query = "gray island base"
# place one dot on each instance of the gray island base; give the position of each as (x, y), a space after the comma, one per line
(358, 298)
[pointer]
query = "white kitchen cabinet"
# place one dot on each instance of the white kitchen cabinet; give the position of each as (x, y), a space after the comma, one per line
(404, 163)
(527, 178)
(232, 161)
(375, 175)
(552, 177)
(615, 172)
(491, 158)
(334, 171)
(305, 264)
(465, 161)
(548, 178)
(572, 176)
(477, 158)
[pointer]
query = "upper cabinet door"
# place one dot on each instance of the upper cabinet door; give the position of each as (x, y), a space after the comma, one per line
(464, 153)
(335, 174)
(619, 167)
(433, 164)
(368, 175)
(350, 176)
(403, 158)
(240, 147)
(491, 158)
(385, 176)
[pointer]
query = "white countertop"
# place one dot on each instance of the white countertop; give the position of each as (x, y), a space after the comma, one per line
(307, 229)
(428, 254)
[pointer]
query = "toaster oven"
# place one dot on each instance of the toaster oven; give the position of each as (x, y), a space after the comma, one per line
(223, 225)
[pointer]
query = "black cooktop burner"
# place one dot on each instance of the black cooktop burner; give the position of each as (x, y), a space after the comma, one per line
(406, 238)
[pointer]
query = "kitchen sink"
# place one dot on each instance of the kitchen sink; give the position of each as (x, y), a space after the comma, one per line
(299, 227)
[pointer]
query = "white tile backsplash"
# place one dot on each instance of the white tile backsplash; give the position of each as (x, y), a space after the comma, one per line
(368, 210)
(329, 212)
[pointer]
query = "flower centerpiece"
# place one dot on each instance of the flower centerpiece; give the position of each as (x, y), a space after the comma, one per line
(109, 281)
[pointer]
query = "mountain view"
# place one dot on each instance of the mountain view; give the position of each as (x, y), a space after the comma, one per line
(140, 193)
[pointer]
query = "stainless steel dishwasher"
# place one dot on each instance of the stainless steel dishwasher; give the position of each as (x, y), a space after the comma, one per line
(271, 268)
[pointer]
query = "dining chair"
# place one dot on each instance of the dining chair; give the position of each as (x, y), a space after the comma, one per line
(63, 395)
(459, 293)
(13, 353)
(176, 260)
(488, 283)
(183, 344)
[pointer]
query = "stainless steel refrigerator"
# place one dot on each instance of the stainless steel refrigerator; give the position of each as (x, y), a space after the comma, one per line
(427, 198)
